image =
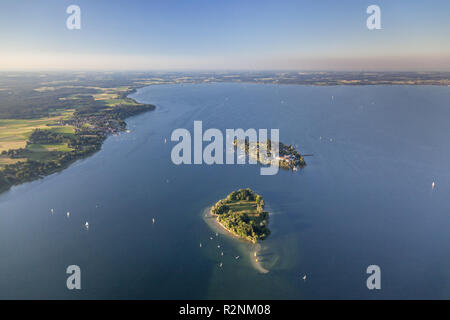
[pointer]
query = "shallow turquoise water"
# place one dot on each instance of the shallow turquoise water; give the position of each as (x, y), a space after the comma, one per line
(364, 198)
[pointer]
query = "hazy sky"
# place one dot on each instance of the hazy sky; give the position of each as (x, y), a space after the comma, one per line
(225, 35)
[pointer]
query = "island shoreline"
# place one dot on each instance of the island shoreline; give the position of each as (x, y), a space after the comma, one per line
(6, 188)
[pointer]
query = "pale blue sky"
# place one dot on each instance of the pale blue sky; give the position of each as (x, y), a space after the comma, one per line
(229, 34)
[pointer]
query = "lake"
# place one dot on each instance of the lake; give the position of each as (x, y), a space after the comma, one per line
(364, 198)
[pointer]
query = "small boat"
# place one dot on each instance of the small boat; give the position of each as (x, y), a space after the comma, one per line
(68, 214)
(304, 277)
(51, 210)
(432, 185)
(165, 140)
(237, 257)
(86, 225)
(220, 265)
(218, 246)
(200, 244)
(210, 238)
(153, 220)
(221, 254)
(217, 234)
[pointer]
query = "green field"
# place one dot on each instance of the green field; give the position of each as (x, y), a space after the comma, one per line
(243, 206)
(6, 160)
(116, 102)
(34, 136)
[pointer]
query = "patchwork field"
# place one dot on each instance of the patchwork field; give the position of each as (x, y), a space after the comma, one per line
(242, 213)
(14, 133)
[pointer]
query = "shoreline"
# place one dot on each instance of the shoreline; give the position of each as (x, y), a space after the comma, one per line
(213, 223)
(64, 166)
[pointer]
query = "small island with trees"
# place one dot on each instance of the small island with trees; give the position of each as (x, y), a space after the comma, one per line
(288, 157)
(242, 213)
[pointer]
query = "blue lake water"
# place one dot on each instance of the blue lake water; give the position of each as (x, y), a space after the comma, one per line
(364, 198)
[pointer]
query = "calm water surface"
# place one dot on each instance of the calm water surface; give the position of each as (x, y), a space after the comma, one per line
(364, 198)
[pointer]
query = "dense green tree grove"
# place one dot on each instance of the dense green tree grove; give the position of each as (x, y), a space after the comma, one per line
(250, 226)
